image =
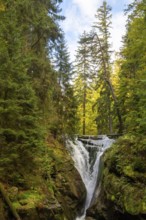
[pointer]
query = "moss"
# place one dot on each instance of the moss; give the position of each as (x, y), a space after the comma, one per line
(133, 199)
(52, 189)
(113, 198)
(144, 205)
(128, 171)
(69, 189)
(124, 176)
(28, 199)
(16, 205)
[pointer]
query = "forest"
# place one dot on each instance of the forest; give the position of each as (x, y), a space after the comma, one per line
(45, 99)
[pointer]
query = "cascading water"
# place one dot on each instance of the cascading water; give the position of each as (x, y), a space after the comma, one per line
(86, 158)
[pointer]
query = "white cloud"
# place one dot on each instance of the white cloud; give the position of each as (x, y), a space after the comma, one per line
(80, 15)
(118, 30)
(87, 7)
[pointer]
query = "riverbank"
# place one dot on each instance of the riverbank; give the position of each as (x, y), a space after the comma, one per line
(123, 192)
(52, 189)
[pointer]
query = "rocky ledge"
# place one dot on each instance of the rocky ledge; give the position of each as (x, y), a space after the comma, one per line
(123, 192)
(53, 191)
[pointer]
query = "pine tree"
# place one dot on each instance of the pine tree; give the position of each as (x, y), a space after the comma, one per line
(83, 76)
(20, 134)
(132, 73)
(40, 29)
(101, 53)
(67, 103)
(27, 80)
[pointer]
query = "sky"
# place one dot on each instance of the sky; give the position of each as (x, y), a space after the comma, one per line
(80, 15)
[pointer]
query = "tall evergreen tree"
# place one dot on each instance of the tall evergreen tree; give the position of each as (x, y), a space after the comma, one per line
(19, 130)
(101, 52)
(132, 74)
(67, 103)
(83, 74)
(39, 20)
(27, 79)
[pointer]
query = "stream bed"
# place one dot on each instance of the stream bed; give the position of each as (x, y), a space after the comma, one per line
(86, 154)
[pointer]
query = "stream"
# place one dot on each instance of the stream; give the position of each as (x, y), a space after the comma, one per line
(86, 154)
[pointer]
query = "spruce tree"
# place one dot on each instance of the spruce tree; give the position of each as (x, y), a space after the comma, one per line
(20, 134)
(82, 69)
(132, 73)
(28, 29)
(67, 103)
(40, 29)
(101, 52)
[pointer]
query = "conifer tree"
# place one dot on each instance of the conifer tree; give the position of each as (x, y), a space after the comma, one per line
(132, 74)
(67, 103)
(101, 53)
(27, 79)
(83, 77)
(41, 30)
(19, 130)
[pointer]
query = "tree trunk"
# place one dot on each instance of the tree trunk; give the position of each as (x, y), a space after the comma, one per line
(84, 111)
(107, 80)
(8, 202)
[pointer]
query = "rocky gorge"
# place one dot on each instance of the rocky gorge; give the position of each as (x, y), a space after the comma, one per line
(123, 189)
(54, 191)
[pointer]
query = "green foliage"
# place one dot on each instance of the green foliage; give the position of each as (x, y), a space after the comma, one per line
(30, 91)
(19, 116)
(93, 76)
(83, 82)
(65, 100)
(29, 199)
(102, 57)
(132, 74)
(124, 175)
(127, 158)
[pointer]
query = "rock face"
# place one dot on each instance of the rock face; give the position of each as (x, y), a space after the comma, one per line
(70, 190)
(123, 193)
(55, 192)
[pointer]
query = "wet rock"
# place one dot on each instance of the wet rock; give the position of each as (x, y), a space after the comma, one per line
(41, 213)
(66, 196)
(70, 190)
(54, 191)
(123, 191)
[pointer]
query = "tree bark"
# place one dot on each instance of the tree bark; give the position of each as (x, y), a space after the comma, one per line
(84, 111)
(108, 81)
(9, 203)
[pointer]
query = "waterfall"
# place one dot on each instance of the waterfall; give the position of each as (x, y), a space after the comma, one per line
(86, 158)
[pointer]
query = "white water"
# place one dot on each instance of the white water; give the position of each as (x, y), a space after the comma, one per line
(88, 167)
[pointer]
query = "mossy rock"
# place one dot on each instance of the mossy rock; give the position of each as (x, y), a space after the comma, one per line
(52, 189)
(28, 199)
(68, 186)
(124, 180)
(135, 201)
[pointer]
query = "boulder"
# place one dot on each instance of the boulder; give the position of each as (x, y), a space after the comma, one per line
(69, 188)
(123, 191)
(53, 191)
